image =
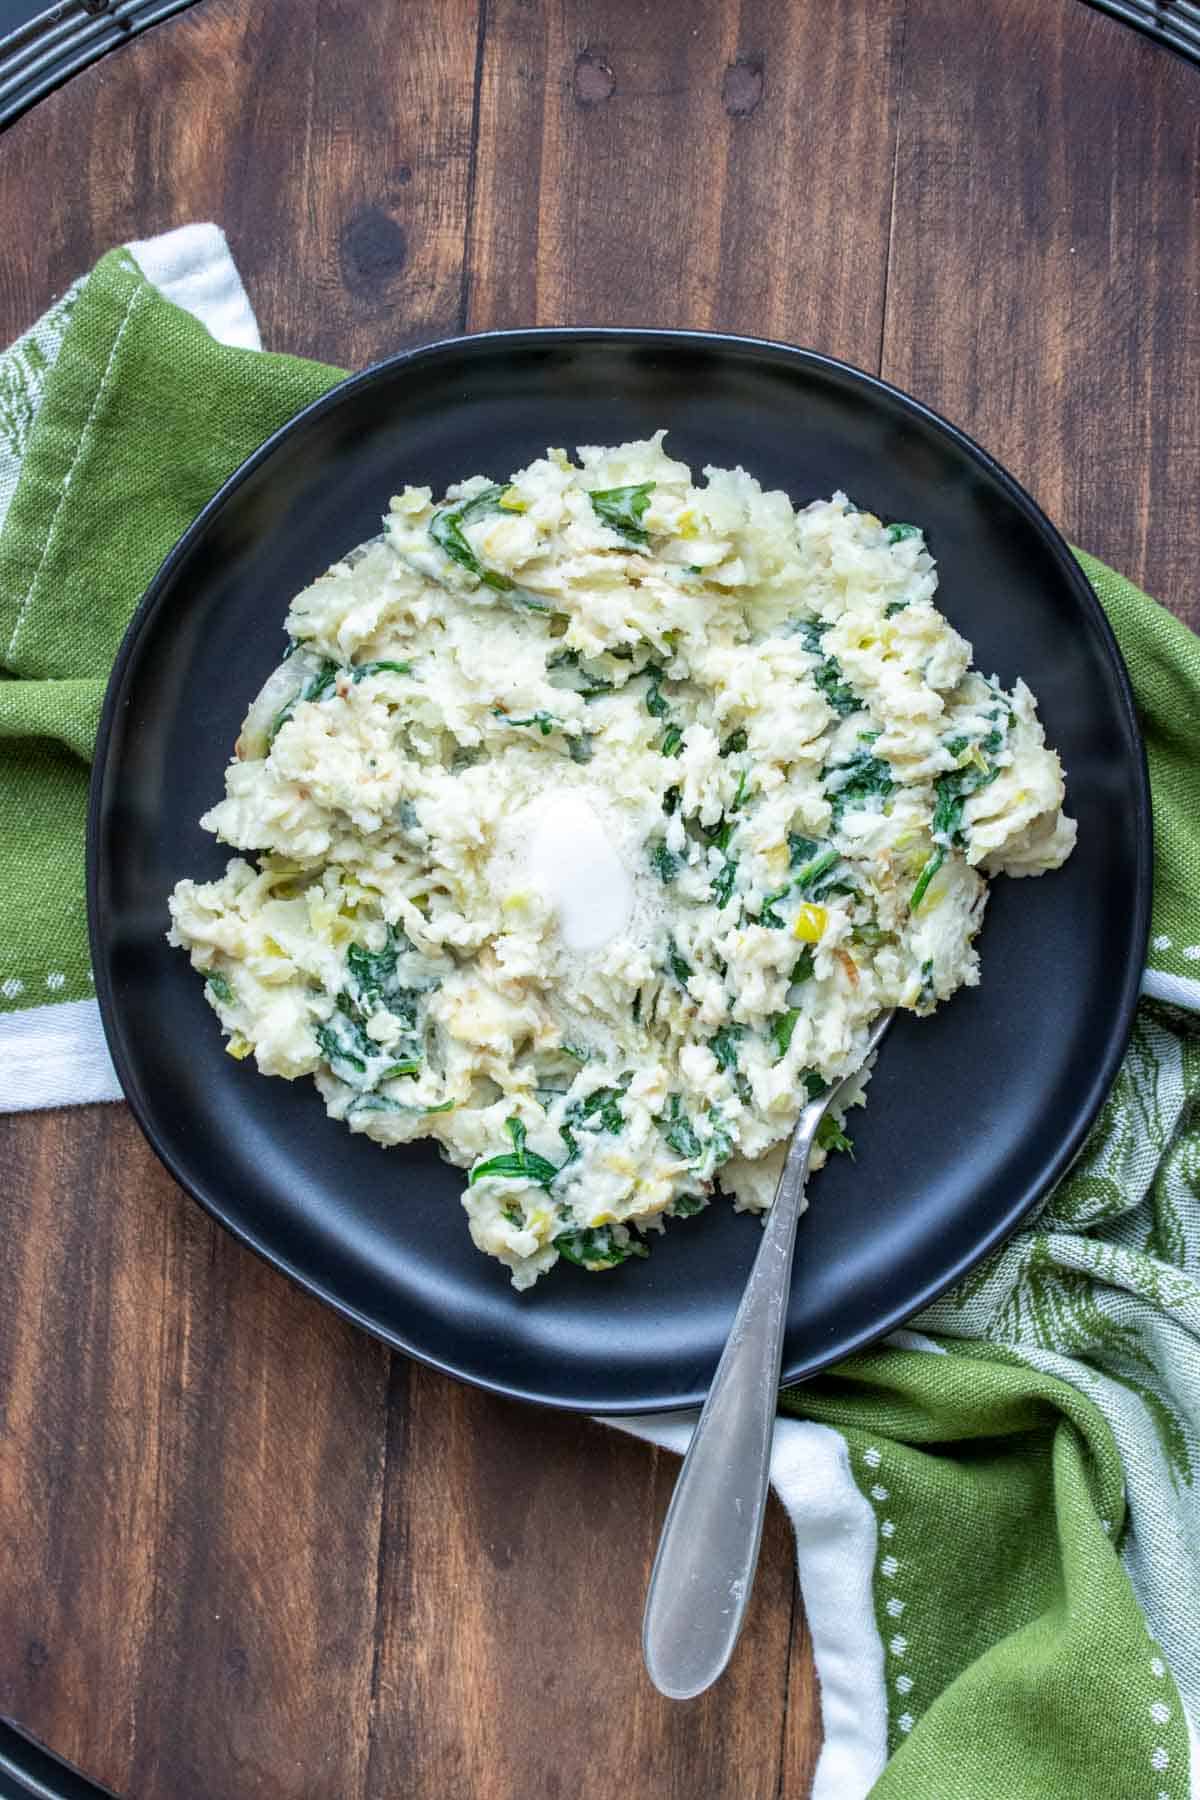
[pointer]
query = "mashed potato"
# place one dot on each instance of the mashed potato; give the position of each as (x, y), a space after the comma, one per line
(591, 819)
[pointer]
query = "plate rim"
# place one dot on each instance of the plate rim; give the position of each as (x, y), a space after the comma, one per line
(1141, 826)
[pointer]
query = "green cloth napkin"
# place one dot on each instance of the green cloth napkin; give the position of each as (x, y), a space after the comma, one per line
(1018, 1477)
(125, 417)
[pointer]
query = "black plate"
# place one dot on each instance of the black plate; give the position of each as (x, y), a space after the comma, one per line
(973, 1114)
(28, 1771)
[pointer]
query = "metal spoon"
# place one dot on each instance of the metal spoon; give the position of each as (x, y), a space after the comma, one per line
(708, 1551)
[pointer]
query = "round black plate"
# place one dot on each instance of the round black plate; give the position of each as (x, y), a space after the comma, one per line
(973, 1113)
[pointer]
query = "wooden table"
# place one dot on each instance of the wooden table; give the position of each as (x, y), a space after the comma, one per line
(243, 1548)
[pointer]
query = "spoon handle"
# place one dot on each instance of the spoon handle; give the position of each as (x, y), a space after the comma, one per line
(704, 1569)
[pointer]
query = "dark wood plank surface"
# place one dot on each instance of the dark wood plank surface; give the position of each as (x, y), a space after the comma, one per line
(243, 1549)
(1044, 276)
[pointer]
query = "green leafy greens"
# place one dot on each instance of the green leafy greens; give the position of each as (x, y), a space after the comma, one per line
(623, 509)
(345, 1045)
(828, 673)
(852, 785)
(803, 968)
(953, 790)
(768, 916)
(519, 1164)
(587, 683)
(373, 984)
(542, 721)
(656, 706)
(810, 879)
(831, 1136)
(722, 882)
(678, 964)
(783, 1026)
(446, 530)
(686, 1206)
(360, 671)
(323, 679)
(665, 863)
(315, 688)
(678, 1130)
(597, 1247)
(373, 978)
(600, 1111)
(384, 1103)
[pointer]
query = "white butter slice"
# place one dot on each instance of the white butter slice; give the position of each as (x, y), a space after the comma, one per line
(573, 862)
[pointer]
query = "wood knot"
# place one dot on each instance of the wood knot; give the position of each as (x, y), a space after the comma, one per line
(594, 81)
(373, 250)
(742, 88)
(36, 1656)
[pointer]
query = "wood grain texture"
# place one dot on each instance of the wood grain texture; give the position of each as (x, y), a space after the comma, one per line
(734, 174)
(191, 1479)
(1044, 278)
(517, 1606)
(331, 141)
(243, 1550)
